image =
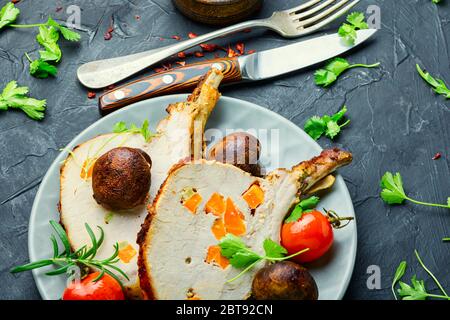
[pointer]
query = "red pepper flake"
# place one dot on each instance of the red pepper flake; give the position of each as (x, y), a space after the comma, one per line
(159, 69)
(247, 30)
(15, 1)
(108, 33)
(208, 47)
(110, 87)
(192, 35)
(91, 95)
(58, 9)
(178, 38)
(137, 17)
(231, 53)
(240, 47)
(181, 63)
(181, 55)
(199, 54)
(251, 51)
(161, 39)
(437, 156)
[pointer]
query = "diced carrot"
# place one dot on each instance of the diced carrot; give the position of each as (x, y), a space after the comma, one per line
(254, 196)
(215, 256)
(215, 205)
(218, 229)
(127, 253)
(87, 168)
(193, 202)
(234, 219)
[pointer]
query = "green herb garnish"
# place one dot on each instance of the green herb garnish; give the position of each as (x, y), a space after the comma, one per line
(438, 85)
(48, 38)
(122, 127)
(242, 257)
(348, 30)
(8, 14)
(302, 207)
(16, 97)
(446, 239)
(84, 256)
(329, 74)
(328, 125)
(393, 193)
(416, 290)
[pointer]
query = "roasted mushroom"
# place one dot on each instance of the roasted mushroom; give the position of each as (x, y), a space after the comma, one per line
(239, 149)
(284, 281)
(121, 178)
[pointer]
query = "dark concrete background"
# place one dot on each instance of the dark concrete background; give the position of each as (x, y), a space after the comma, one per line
(397, 122)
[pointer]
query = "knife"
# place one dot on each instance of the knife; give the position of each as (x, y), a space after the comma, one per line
(257, 66)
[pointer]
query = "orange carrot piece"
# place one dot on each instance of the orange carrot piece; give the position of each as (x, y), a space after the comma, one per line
(254, 196)
(87, 168)
(127, 253)
(234, 219)
(214, 256)
(193, 202)
(215, 205)
(218, 229)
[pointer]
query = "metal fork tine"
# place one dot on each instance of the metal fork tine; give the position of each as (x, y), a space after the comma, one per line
(322, 14)
(330, 19)
(315, 9)
(302, 6)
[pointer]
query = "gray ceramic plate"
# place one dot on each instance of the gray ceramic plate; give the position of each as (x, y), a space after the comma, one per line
(283, 145)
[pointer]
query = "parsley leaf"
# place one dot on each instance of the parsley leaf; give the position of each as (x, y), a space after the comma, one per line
(67, 34)
(399, 273)
(48, 37)
(348, 30)
(121, 127)
(273, 249)
(242, 257)
(327, 125)
(415, 292)
(438, 85)
(15, 97)
(8, 14)
(392, 191)
(301, 207)
(392, 188)
(42, 69)
(333, 69)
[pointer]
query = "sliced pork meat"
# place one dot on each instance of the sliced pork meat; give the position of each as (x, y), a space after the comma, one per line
(174, 141)
(198, 204)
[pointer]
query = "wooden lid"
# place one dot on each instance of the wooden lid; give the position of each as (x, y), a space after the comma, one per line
(218, 12)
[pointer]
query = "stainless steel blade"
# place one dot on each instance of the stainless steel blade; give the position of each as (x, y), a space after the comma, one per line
(274, 62)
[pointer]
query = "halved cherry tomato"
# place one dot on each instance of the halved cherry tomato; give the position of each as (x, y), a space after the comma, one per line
(106, 288)
(313, 230)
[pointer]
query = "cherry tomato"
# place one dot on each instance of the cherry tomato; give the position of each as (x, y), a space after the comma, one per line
(106, 288)
(313, 230)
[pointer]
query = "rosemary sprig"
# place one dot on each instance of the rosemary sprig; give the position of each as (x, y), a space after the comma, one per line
(84, 256)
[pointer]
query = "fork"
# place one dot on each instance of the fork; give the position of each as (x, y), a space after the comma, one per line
(295, 22)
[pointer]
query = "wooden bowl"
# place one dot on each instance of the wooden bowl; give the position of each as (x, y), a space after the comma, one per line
(218, 12)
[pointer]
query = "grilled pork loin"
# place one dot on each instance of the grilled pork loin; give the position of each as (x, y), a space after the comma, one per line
(198, 204)
(174, 141)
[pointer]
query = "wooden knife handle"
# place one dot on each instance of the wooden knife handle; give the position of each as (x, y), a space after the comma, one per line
(182, 79)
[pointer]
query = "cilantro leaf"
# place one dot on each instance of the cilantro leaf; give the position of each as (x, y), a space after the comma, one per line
(8, 14)
(399, 273)
(121, 127)
(333, 69)
(438, 85)
(273, 249)
(42, 69)
(67, 34)
(392, 188)
(392, 192)
(348, 30)
(301, 207)
(48, 38)
(15, 97)
(243, 259)
(315, 127)
(415, 292)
